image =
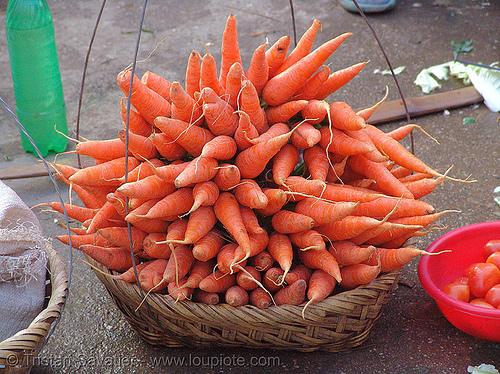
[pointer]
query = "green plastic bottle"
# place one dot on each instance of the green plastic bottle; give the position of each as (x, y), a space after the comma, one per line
(36, 77)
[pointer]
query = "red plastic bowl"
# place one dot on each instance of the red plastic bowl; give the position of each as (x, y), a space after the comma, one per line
(434, 272)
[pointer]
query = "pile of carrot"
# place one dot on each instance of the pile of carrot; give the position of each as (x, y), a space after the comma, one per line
(246, 186)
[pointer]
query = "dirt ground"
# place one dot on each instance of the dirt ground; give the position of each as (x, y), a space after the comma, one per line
(412, 336)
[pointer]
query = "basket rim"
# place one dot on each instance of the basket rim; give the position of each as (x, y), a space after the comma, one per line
(32, 338)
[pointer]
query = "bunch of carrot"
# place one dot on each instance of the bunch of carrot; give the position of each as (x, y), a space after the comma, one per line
(246, 186)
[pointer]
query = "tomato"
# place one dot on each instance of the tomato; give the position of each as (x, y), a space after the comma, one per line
(482, 303)
(482, 276)
(493, 296)
(491, 247)
(494, 259)
(463, 280)
(457, 290)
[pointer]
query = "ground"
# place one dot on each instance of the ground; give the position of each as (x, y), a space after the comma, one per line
(412, 336)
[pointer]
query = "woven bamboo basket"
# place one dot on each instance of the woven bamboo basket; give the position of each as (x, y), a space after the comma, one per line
(18, 353)
(341, 322)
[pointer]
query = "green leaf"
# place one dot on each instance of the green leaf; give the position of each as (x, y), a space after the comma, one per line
(465, 46)
(468, 121)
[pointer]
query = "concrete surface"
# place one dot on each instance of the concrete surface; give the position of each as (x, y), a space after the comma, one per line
(412, 336)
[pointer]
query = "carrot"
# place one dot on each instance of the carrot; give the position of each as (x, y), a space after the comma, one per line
(280, 248)
(323, 212)
(273, 279)
(276, 199)
(84, 239)
(320, 286)
(105, 174)
(199, 271)
(208, 246)
(361, 135)
(101, 149)
(347, 253)
(106, 214)
(310, 88)
(233, 85)
(348, 227)
(394, 258)
(412, 177)
(338, 79)
(336, 171)
(151, 277)
(228, 176)
(208, 74)
(284, 111)
(308, 240)
(176, 203)
(143, 170)
(300, 271)
(284, 163)
(152, 186)
(191, 138)
(237, 296)
(378, 172)
(250, 104)
(287, 222)
(402, 132)
(193, 73)
(249, 194)
(207, 298)
(258, 71)
(357, 275)
(343, 117)
(260, 298)
(185, 107)
(245, 131)
(230, 51)
(171, 171)
(221, 147)
(176, 231)
(179, 263)
(199, 224)
(119, 236)
(129, 274)
(141, 147)
(258, 243)
(337, 192)
(303, 47)
(252, 161)
(156, 83)
(315, 111)
(200, 169)
(281, 87)
(246, 279)
(155, 246)
(227, 211)
(293, 294)
(217, 282)
(113, 258)
(74, 211)
(366, 113)
(317, 162)
(262, 261)
(136, 122)
(166, 147)
(397, 207)
(147, 102)
(219, 115)
(251, 221)
(204, 194)
(178, 290)
(338, 142)
(423, 187)
(305, 136)
(225, 258)
(299, 187)
(276, 54)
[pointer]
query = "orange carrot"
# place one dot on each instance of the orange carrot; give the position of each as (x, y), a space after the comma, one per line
(298, 272)
(348, 227)
(308, 240)
(101, 149)
(200, 169)
(284, 163)
(217, 282)
(83, 239)
(101, 219)
(303, 47)
(230, 51)
(338, 79)
(233, 85)
(336, 171)
(276, 199)
(150, 278)
(258, 243)
(358, 274)
(143, 170)
(382, 206)
(305, 136)
(193, 73)
(337, 192)
(320, 286)
(227, 210)
(262, 261)
(171, 171)
(167, 147)
(136, 122)
(153, 187)
(366, 113)
(402, 132)
(276, 54)
(258, 71)
(250, 104)
(208, 246)
(347, 253)
(113, 258)
(225, 258)
(343, 117)
(273, 279)
(293, 294)
(148, 103)
(207, 298)
(208, 74)
(315, 111)
(119, 236)
(323, 260)
(247, 279)
(287, 222)
(179, 291)
(280, 248)
(199, 224)
(191, 138)
(184, 107)
(74, 211)
(227, 177)
(176, 203)
(423, 187)
(219, 115)
(338, 142)
(274, 131)
(310, 88)
(129, 274)
(140, 146)
(248, 193)
(317, 162)
(394, 258)
(156, 83)
(284, 111)
(221, 147)
(204, 194)
(299, 187)
(323, 212)
(251, 221)
(244, 131)
(105, 174)
(155, 246)
(260, 298)
(237, 296)
(199, 271)
(281, 87)
(180, 262)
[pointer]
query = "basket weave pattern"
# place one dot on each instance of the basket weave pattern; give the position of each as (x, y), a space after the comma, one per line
(17, 353)
(339, 323)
